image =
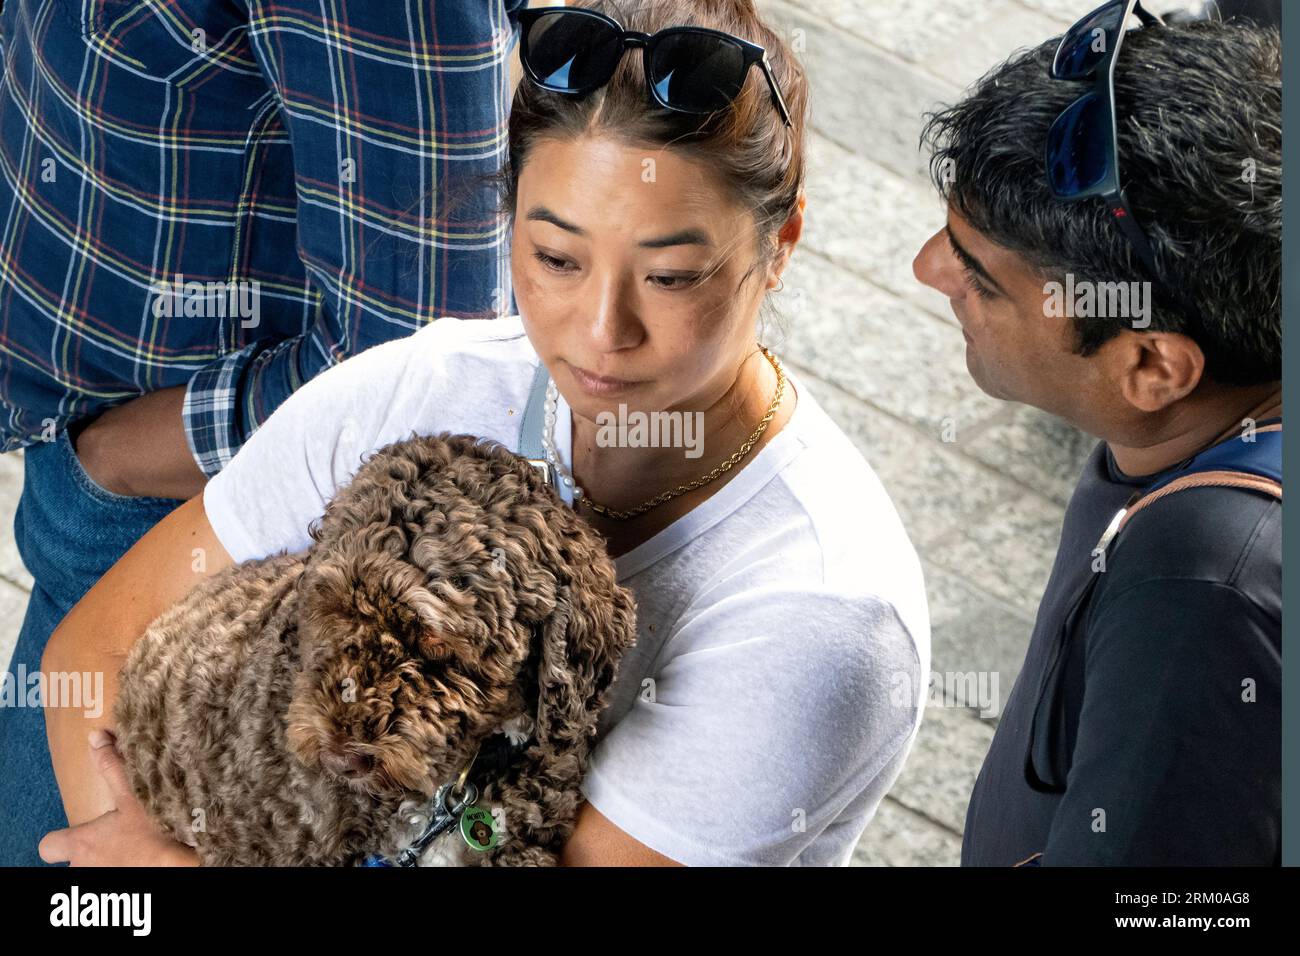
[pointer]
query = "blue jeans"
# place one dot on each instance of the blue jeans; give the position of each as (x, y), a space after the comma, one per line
(69, 531)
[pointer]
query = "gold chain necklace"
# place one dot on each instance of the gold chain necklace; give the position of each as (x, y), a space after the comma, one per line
(721, 469)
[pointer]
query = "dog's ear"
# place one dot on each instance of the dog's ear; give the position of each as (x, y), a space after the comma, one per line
(578, 644)
(592, 624)
(364, 583)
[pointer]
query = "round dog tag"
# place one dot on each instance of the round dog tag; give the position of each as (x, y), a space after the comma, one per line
(478, 829)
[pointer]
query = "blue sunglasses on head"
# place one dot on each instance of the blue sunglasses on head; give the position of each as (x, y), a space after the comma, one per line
(1082, 153)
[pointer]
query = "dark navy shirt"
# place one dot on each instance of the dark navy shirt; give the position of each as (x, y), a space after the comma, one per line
(1145, 728)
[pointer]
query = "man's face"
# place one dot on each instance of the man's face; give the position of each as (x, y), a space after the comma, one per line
(1015, 351)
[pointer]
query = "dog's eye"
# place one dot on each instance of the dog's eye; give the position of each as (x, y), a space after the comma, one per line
(460, 582)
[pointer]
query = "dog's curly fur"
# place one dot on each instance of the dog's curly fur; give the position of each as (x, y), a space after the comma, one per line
(291, 710)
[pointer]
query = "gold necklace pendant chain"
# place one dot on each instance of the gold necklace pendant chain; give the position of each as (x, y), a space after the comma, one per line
(731, 462)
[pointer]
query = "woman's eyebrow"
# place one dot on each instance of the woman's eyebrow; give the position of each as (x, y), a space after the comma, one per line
(685, 237)
(542, 214)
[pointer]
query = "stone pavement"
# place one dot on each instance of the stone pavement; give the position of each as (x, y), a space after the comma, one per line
(886, 358)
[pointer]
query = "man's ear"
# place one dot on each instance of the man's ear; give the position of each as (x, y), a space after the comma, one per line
(1154, 369)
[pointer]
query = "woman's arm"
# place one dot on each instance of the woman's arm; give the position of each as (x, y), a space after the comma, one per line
(159, 570)
(597, 842)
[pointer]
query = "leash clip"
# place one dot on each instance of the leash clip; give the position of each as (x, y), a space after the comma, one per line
(445, 816)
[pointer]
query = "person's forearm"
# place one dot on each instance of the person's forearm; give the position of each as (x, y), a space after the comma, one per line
(84, 794)
(94, 639)
(139, 448)
(98, 633)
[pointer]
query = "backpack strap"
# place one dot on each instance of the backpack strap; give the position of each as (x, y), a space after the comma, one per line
(531, 430)
(1253, 465)
(530, 435)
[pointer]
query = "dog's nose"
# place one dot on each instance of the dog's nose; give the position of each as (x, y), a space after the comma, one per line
(345, 763)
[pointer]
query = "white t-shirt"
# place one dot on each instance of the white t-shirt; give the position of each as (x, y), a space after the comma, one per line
(783, 640)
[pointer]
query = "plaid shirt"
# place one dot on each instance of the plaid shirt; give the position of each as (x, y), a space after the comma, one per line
(234, 195)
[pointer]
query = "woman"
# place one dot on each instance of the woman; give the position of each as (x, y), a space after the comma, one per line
(776, 684)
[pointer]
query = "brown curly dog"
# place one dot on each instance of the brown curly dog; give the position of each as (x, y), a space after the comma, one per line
(304, 709)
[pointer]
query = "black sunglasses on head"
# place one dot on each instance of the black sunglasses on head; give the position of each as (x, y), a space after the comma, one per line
(1082, 152)
(688, 69)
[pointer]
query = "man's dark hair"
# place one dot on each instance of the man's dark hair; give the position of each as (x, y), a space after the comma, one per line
(1199, 112)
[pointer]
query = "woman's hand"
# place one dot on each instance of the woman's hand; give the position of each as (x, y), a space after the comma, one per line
(122, 837)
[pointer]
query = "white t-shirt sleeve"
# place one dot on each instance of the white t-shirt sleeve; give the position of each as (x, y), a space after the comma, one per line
(769, 716)
(267, 495)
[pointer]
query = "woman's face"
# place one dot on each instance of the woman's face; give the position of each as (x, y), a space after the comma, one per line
(629, 267)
